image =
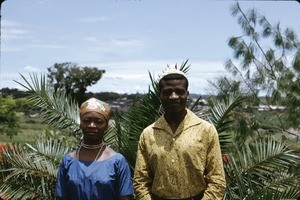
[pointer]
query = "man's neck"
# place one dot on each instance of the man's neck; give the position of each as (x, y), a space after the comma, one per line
(174, 119)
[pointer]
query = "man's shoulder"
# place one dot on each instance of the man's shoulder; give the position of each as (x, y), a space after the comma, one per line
(192, 115)
(196, 120)
(159, 123)
(150, 127)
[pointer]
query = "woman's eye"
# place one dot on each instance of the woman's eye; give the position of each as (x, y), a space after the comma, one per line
(98, 121)
(86, 120)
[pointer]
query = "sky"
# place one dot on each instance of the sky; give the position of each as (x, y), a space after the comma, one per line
(127, 38)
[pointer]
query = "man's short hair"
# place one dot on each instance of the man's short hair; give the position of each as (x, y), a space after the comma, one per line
(174, 76)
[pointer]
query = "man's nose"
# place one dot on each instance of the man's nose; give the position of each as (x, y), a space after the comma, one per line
(173, 95)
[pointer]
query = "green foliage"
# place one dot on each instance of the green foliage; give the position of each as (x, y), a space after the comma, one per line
(263, 169)
(268, 70)
(105, 96)
(225, 117)
(55, 107)
(256, 166)
(73, 79)
(30, 171)
(8, 118)
(129, 126)
(13, 92)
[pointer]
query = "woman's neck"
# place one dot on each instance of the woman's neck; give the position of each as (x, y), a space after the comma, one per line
(92, 142)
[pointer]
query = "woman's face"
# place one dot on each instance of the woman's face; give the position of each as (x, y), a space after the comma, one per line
(93, 126)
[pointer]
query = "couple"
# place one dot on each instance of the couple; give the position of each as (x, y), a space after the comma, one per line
(178, 156)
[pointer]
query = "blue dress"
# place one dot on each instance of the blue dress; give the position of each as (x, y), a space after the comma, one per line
(102, 180)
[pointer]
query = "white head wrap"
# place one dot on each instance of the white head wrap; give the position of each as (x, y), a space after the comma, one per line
(171, 70)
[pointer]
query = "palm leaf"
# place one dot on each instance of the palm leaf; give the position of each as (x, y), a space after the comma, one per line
(262, 166)
(129, 127)
(221, 114)
(31, 169)
(56, 108)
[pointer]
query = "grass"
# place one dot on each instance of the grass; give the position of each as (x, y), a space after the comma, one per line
(268, 118)
(30, 128)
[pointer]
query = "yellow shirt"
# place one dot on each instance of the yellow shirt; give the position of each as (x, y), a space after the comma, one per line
(181, 164)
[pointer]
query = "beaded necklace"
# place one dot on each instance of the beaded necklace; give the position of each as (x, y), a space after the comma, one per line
(101, 148)
(92, 146)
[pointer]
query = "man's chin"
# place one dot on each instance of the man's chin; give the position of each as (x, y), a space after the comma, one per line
(91, 133)
(174, 109)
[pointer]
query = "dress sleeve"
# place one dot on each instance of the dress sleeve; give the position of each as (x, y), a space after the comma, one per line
(142, 180)
(60, 190)
(125, 187)
(215, 176)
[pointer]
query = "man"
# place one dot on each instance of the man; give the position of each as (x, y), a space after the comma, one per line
(179, 155)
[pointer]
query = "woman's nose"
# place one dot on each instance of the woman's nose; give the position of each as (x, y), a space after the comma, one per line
(92, 124)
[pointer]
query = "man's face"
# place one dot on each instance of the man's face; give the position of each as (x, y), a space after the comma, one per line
(173, 95)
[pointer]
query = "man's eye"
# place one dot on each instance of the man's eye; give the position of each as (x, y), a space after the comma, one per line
(167, 92)
(180, 92)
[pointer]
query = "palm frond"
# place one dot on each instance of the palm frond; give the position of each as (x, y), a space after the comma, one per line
(56, 108)
(128, 129)
(264, 165)
(30, 170)
(265, 194)
(221, 114)
(29, 174)
(50, 148)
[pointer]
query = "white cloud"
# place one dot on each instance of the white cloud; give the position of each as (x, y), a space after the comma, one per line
(111, 43)
(8, 23)
(133, 76)
(93, 19)
(48, 46)
(126, 42)
(91, 39)
(11, 49)
(31, 69)
(15, 34)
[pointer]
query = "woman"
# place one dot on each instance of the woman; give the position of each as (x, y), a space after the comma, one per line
(94, 170)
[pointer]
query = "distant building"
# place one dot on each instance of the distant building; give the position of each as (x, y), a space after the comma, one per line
(269, 107)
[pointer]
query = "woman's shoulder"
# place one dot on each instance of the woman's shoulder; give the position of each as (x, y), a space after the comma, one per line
(110, 153)
(68, 158)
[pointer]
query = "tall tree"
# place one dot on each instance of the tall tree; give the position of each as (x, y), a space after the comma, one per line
(269, 64)
(73, 79)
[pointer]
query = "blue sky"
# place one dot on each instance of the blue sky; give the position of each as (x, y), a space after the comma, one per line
(127, 38)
